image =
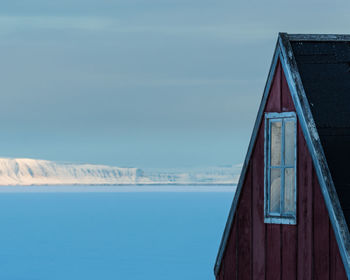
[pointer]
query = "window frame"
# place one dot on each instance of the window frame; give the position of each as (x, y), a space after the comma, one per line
(279, 218)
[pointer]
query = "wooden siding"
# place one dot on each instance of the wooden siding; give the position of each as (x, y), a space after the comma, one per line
(256, 250)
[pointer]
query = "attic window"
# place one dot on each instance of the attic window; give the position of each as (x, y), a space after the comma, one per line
(280, 168)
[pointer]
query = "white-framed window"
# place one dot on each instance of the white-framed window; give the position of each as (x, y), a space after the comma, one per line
(280, 168)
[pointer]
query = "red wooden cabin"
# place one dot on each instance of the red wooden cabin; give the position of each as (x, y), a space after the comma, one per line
(290, 214)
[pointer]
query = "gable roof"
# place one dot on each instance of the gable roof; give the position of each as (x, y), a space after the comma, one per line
(317, 69)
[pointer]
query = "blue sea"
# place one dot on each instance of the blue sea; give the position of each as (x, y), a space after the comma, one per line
(111, 234)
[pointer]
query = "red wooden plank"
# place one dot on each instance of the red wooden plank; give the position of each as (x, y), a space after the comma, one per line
(332, 253)
(321, 233)
(273, 251)
(230, 260)
(274, 101)
(289, 233)
(244, 230)
(305, 205)
(289, 252)
(287, 101)
(234, 252)
(221, 276)
(227, 262)
(336, 263)
(258, 225)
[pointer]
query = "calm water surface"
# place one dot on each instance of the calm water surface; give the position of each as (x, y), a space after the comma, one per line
(139, 235)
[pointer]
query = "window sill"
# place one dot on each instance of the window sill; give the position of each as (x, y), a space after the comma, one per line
(280, 220)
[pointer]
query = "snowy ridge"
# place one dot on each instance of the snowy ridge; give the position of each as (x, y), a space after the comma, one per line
(44, 172)
(200, 175)
(23, 171)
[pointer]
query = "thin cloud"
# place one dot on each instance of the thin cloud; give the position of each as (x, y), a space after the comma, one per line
(14, 24)
(55, 22)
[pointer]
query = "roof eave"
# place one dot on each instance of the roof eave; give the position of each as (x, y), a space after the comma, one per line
(317, 37)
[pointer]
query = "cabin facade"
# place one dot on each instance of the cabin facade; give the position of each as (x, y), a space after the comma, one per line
(289, 217)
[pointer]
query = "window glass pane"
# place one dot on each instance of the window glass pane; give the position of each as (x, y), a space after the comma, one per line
(275, 190)
(276, 129)
(289, 189)
(289, 140)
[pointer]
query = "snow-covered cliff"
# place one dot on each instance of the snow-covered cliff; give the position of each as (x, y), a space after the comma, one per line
(43, 172)
(23, 171)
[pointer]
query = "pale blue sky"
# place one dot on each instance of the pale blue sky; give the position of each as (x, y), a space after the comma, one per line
(142, 83)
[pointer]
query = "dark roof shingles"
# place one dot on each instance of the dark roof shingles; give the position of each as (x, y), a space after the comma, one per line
(324, 67)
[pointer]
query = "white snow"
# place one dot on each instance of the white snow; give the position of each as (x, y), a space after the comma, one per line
(25, 171)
